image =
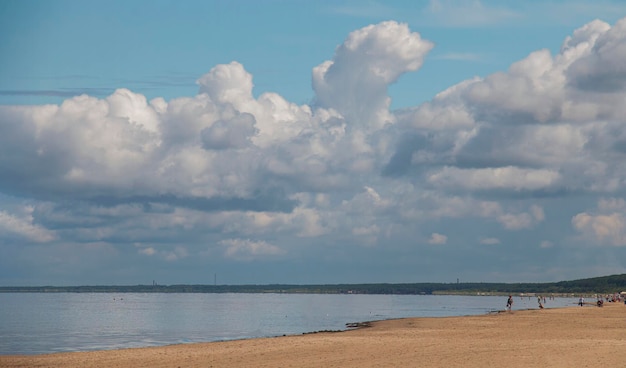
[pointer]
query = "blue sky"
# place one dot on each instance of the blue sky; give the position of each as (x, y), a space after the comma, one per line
(159, 48)
(311, 141)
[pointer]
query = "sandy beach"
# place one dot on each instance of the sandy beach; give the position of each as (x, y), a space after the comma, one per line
(565, 337)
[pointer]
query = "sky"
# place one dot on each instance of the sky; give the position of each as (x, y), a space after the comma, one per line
(311, 142)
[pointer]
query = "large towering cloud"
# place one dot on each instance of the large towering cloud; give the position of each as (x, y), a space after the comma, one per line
(355, 82)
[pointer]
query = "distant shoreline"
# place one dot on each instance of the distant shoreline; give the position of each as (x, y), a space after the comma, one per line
(599, 285)
(87, 290)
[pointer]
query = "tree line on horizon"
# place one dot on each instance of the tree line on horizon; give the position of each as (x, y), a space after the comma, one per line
(601, 285)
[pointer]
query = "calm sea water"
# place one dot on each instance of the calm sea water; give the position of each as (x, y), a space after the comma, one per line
(36, 323)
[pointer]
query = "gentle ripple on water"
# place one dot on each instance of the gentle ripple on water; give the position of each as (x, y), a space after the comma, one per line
(36, 323)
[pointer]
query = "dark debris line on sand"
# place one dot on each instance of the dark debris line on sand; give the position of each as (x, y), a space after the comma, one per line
(351, 325)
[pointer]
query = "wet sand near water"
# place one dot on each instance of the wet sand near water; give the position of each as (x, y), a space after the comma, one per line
(564, 337)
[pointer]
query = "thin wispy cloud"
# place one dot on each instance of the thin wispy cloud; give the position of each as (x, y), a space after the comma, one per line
(490, 241)
(363, 9)
(468, 13)
(460, 56)
(69, 92)
(570, 13)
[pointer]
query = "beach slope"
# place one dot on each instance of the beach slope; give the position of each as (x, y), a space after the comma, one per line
(564, 337)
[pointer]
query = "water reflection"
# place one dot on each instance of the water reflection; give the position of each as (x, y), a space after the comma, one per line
(42, 323)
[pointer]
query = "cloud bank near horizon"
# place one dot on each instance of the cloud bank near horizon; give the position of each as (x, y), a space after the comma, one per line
(225, 175)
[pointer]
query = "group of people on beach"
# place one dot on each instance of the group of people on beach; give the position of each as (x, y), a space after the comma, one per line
(540, 300)
(611, 298)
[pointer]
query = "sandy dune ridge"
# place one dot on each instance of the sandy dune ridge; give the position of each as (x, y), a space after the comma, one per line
(563, 337)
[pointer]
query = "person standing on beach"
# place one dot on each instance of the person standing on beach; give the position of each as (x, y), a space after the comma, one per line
(581, 301)
(509, 303)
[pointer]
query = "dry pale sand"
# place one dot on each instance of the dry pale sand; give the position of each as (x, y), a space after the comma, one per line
(566, 337)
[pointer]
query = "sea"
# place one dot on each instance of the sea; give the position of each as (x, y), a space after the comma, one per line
(39, 323)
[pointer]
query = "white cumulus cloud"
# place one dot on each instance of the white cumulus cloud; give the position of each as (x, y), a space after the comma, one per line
(606, 225)
(436, 238)
(247, 250)
(24, 227)
(355, 82)
(258, 177)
